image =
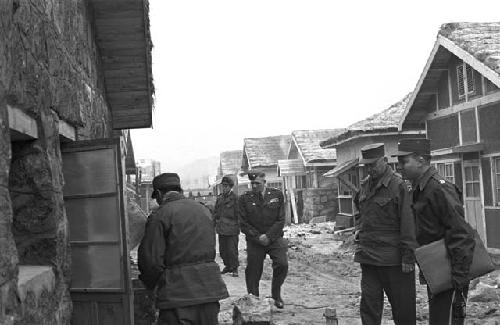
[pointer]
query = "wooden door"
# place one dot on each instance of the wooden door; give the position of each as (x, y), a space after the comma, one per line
(472, 198)
(94, 199)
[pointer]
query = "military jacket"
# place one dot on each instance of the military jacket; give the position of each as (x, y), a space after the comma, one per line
(439, 214)
(262, 214)
(385, 222)
(226, 214)
(177, 255)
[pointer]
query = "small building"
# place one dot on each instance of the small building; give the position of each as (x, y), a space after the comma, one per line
(457, 100)
(230, 165)
(263, 154)
(309, 193)
(380, 127)
(147, 169)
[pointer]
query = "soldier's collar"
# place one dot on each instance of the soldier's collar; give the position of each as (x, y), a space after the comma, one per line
(386, 177)
(424, 179)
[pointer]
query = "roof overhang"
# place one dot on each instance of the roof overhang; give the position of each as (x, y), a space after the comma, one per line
(371, 133)
(124, 42)
(415, 111)
(345, 166)
(291, 167)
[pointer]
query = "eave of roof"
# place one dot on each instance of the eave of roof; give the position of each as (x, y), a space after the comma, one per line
(124, 41)
(468, 47)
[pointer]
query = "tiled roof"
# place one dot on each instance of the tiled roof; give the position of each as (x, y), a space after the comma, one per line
(307, 142)
(264, 152)
(230, 162)
(386, 121)
(482, 40)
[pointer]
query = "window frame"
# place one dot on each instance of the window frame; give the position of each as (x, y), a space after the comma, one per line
(495, 174)
(462, 69)
(448, 177)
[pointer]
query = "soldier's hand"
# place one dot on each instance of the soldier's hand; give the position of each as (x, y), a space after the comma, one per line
(407, 268)
(264, 240)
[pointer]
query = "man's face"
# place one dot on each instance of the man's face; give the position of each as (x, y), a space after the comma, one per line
(258, 184)
(377, 168)
(226, 188)
(410, 167)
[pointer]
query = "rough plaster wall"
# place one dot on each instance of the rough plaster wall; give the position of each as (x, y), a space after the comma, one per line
(49, 67)
(8, 256)
(40, 226)
(56, 65)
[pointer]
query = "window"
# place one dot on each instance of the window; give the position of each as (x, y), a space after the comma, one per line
(472, 182)
(465, 80)
(300, 181)
(274, 184)
(496, 179)
(345, 193)
(446, 170)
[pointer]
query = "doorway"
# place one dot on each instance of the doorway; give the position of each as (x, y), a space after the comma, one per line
(473, 198)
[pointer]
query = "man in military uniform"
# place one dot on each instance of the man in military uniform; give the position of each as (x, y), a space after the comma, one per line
(262, 218)
(385, 231)
(439, 213)
(177, 257)
(227, 227)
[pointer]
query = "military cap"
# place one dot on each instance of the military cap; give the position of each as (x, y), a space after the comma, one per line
(227, 180)
(419, 146)
(370, 153)
(252, 175)
(165, 180)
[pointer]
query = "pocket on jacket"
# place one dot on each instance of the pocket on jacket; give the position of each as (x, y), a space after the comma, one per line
(382, 201)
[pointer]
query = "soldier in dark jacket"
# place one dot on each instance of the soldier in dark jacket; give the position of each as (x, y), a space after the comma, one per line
(226, 225)
(439, 213)
(177, 257)
(262, 218)
(385, 231)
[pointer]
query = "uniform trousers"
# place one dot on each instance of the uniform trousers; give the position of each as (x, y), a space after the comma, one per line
(228, 250)
(440, 308)
(204, 314)
(399, 288)
(256, 254)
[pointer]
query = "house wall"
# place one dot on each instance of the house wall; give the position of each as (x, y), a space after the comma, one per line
(49, 68)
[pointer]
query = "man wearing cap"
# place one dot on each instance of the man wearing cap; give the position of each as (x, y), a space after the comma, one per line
(385, 231)
(439, 213)
(177, 257)
(262, 218)
(227, 227)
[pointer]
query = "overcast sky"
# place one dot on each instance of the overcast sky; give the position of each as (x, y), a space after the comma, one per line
(227, 70)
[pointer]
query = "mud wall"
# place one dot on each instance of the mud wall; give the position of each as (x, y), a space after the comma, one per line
(50, 69)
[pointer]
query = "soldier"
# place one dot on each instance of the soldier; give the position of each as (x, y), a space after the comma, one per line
(262, 218)
(385, 231)
(177, 256)
(227, 227)
(439, 213)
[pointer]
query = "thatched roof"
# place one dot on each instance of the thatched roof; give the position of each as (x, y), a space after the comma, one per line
(386, 121)
(307, 142)
(230, 162)
(265, 152)
(477, 44)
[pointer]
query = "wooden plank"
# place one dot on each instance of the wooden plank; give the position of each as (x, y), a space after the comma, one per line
(294, 206)
(22, 122)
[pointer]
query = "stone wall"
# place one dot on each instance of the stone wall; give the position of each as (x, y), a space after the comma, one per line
(320, 202)
(49, 68)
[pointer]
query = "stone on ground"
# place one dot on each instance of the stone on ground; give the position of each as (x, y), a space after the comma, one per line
(250, 309)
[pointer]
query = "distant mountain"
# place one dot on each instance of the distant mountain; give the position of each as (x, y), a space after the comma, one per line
(196, 174)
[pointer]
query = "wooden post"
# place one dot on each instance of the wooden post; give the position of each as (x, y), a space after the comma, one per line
(331, 316)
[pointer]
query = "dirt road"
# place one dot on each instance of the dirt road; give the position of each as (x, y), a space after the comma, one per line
(322, 274)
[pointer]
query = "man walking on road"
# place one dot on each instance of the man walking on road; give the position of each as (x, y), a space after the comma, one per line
(385, 233)
(177, 256)
(227, 227)
(262, 218)
(439, 213)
